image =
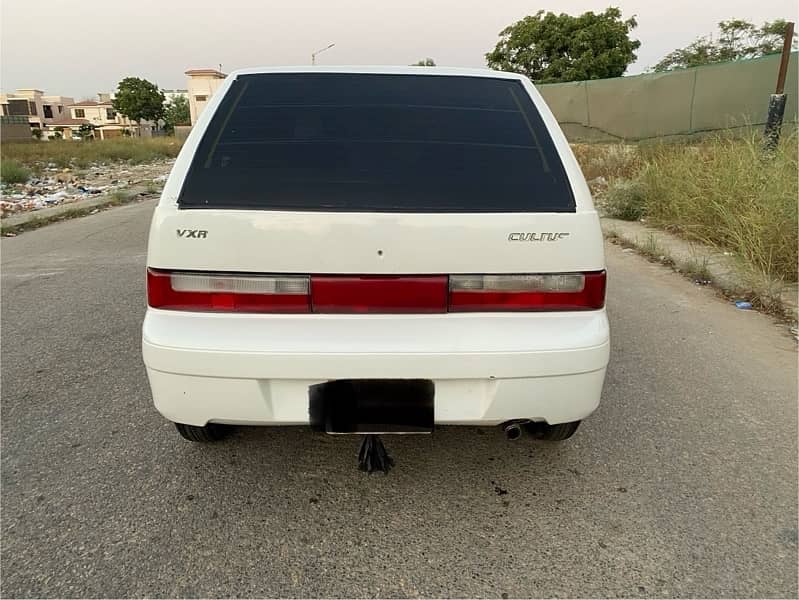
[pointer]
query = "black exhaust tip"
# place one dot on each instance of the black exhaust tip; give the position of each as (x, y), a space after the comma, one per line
(513, 431)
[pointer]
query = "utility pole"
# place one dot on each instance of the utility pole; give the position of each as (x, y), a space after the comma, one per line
(313, 54)
(776, 104)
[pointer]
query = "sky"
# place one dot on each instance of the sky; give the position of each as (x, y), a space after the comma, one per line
(81, 48)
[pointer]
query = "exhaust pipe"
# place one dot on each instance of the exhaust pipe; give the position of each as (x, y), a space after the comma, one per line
(513, 430)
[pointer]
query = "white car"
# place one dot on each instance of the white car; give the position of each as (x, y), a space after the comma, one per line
(376, 250)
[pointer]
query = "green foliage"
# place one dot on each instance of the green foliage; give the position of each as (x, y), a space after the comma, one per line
(86, 131)
(13, 172)
(736, 39)
(722, 191)
(624, 199)
(65, 154)
(177, 112)
(139, 100)
(425, 62)
(57, 135)
(37, 133)
(550, 48)
(729, 193)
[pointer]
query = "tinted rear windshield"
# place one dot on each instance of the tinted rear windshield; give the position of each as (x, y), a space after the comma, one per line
(387, 143)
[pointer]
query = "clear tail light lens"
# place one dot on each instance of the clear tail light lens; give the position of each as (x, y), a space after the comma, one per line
(550, 291)
(228, 293)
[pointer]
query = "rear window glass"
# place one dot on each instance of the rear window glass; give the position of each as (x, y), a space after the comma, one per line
(387, 143)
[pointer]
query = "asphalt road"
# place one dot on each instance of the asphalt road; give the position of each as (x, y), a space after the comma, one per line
(684, 483)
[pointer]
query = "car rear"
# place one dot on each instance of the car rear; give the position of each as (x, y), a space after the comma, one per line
(421, 240)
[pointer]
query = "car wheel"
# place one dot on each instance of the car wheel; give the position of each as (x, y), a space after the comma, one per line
(209, 433)
(551, 433)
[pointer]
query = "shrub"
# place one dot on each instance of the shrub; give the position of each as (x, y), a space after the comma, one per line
(13, 172)
(625, 199)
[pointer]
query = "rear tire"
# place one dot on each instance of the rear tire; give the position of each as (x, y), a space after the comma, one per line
(212, 432)
(551, 433)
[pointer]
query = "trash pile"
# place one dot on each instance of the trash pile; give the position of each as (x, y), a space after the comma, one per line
(56, 185)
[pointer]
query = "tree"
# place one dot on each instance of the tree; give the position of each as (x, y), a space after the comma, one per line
(425, 62)
(736, 39)
(139, 100)
(86, 131)
(550, 48)
(177, 113)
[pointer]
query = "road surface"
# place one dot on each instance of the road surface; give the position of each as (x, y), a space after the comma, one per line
(683, 483)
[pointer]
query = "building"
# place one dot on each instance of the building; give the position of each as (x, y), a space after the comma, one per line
(101, 115)
(40, 110)
(202, 85)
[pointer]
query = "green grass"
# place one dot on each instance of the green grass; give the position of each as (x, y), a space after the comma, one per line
(697, 269)
(725, 192)
(611, 161)
(68, 153)
(730, 194)
(13, 172)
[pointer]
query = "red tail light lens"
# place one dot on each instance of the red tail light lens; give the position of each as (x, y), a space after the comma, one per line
(402, 294)
(227, 293)
(354, 294)
(545, 292)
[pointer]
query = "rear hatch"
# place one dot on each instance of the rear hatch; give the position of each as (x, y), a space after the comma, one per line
(375, 187)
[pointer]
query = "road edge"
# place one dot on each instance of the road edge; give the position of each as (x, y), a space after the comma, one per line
(705, 265)
(28, 221)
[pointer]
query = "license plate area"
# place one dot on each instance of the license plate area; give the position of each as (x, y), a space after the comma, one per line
(359, 406)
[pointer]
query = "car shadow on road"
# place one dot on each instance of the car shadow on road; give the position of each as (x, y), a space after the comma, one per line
(454, 462)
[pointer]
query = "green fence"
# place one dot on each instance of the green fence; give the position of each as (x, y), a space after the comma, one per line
(678, 103)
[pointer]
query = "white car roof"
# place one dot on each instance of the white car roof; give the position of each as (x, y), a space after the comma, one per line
(380, 70)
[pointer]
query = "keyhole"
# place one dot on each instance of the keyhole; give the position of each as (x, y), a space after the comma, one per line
(380, 253)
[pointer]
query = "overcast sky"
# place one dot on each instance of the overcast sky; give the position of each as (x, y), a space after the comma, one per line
(77, 48)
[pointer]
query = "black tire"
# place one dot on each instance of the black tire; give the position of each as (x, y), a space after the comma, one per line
(212, 432)
(551, 433)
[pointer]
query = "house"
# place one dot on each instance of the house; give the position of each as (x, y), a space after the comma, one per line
(202, 85)
(41, 110)
(101, 115)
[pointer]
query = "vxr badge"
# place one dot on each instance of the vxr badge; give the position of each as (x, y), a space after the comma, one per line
(192, 233)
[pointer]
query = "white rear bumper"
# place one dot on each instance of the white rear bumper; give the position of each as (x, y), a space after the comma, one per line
(487, 368)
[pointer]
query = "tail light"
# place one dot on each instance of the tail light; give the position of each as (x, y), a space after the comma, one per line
(227, 293)
(375, 294)
(551, 291)
(369, 294)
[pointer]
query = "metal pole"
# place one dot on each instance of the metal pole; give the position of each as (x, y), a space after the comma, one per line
(786, 54)
(776, 103)
(313, 54)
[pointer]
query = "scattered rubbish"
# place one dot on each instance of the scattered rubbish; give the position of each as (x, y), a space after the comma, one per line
(54, 186)
(56, 198)
(629, 250)
(95, 211)
(9, 234)
(743, 305)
